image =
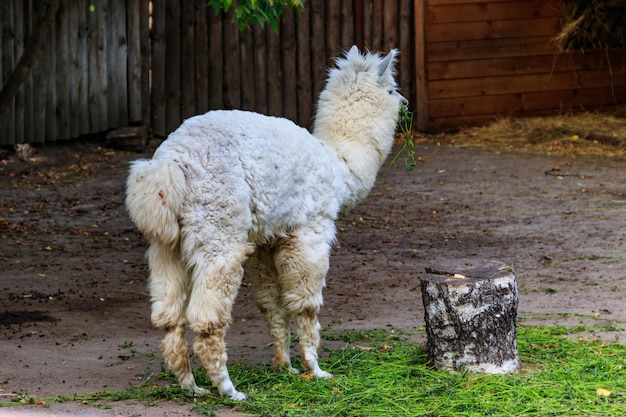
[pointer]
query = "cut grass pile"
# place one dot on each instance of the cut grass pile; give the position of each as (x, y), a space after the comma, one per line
(570, 133)
(382, 373)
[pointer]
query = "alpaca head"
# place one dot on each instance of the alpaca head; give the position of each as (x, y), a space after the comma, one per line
(357, 113)
(360, 103)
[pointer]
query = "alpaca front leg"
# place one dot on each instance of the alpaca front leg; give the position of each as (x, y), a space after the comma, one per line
(302, 261)
(308, 328)
(278, 322)
(267, 298)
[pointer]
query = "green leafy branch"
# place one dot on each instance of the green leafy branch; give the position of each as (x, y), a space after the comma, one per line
(251, 12)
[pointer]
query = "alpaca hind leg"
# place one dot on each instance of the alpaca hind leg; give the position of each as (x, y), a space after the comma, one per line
(309, 335)
(174, 347)
(267, 297)
(213, 290)
(211, 349)
(168, 291)
(302, 264)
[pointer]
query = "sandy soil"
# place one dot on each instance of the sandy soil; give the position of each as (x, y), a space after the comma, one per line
(73, 278)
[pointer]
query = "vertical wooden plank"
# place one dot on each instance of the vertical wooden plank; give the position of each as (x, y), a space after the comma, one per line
(7, 117)
(39, 75)
(50, 73)
(145, 19)
(172, 65)
(288, 64)
(232, 66)
(304, 82)
(421, 96)
(20, 102)
(246, 59)
(27, 88)
(333, 29)
(73, 68)
(112, 65)
(202, 57)
(347, 25)
(405, 75)
(390, 25)
(159, 95)
(216, 61)
(274, 75)
(260, 70)
(318, 51)
(188, 60)
(98, 68)
(82, 69)
(377, 25)
(133, 17)
(358, 13)
(368, 8)
(118, 65)
(62, 73)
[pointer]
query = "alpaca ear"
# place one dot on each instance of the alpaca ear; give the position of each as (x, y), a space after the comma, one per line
(386, 62)
(353, 51)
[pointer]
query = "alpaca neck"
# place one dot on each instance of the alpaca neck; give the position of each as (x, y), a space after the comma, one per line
(362, 149)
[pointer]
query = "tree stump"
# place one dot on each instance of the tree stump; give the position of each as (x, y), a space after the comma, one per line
(470, 309)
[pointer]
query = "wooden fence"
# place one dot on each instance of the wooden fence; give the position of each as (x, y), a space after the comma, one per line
(89, 76)
(210, 64)
(477, 60)
(110, 63)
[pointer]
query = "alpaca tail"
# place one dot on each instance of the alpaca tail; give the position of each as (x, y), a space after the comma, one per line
(155, 192)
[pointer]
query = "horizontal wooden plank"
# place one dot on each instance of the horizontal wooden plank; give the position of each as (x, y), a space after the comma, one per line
(457, 122)
(489, 48)
(548, 81)
(437, 2)
(518, 103)
(517, 28)
(482, 11)
(548, 63)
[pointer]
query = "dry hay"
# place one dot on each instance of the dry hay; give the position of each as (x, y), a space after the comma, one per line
(593, 24)
(598, 132)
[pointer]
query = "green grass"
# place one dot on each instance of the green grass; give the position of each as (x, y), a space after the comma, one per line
(382, 373)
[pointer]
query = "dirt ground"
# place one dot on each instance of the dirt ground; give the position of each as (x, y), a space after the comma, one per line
(73, 277)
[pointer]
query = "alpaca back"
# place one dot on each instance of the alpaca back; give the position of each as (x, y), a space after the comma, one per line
(267, 172)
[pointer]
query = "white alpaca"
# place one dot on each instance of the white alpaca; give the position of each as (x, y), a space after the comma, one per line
(231, 186)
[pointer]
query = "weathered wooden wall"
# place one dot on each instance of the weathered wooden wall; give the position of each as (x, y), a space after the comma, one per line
(201, 61)
(161, 61)
(477, 60)
(462, 62)
(89, 76)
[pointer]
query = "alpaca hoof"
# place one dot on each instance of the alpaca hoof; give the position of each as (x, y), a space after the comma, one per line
(292, 370)
(238, 396)
(323, 375)
(197, 391)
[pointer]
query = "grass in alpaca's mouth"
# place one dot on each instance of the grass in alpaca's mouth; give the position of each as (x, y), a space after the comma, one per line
(405, 127)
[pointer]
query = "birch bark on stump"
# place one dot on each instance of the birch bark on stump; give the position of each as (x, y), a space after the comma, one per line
(470, 309)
